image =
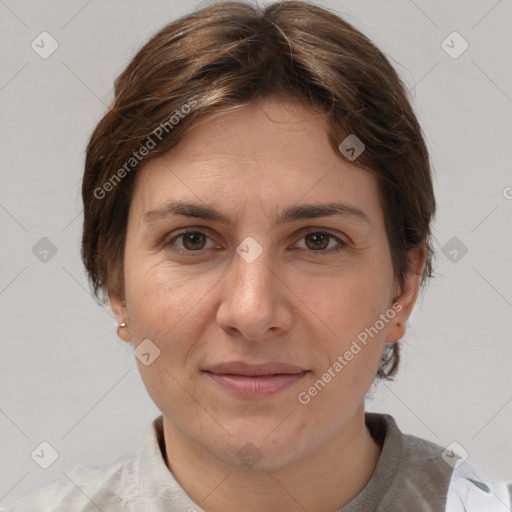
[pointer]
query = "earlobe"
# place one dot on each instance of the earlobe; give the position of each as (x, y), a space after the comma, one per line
(406, 298)
(123, 332)
(395, 332)
(118, 306)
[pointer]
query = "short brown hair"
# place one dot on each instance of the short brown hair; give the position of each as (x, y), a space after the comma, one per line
(226, 56)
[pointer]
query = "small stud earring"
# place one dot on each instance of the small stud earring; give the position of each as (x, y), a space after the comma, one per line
(122, 326)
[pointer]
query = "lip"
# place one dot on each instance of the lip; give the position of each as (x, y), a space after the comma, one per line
(255, 380)
(247, 369)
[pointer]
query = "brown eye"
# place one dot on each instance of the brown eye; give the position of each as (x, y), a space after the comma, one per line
(321, 243)
(193, 240)
(190, 243)
(317, 241)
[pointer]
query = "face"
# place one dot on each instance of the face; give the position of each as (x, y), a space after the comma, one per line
(230, 260)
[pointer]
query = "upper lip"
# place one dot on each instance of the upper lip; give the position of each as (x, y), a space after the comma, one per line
(243, 368)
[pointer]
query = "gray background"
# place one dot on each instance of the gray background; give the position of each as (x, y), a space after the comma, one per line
(68, 380)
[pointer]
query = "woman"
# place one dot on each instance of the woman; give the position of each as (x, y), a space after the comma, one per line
(257, 208)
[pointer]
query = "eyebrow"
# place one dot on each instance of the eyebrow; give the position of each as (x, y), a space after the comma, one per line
(294, 213)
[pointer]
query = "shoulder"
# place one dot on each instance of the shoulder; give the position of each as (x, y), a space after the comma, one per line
(473, 490)
(466, 487)
(427, 476)
(85, 489)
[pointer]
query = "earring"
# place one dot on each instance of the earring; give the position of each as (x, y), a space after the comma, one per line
(122, 325)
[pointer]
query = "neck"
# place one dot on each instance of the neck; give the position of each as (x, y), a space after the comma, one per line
(324, 481)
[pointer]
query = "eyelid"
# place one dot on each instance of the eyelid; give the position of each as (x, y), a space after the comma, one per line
(320, 229)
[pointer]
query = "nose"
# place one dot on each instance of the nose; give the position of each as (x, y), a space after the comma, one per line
(255, 301)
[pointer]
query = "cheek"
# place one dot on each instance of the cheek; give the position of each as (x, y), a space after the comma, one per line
(347, 301)
(351, 351)
(165, 304)
(153, 287)
(346, 307)
(150, 295)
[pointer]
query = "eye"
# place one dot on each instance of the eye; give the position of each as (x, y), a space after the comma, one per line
(322, 242)
(190, 241)
(193, 243)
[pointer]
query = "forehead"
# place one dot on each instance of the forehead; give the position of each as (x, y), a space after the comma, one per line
(265, 156)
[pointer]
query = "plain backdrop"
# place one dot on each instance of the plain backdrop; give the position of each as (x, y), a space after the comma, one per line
(65, 376)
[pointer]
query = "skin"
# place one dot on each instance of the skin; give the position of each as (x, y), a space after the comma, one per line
(290, 304)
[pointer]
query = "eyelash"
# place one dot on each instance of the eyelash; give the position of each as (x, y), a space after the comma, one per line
(194, 254)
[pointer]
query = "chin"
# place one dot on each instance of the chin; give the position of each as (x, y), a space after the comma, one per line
(261, 449)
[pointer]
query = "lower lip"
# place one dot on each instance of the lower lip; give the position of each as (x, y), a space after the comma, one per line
(256, 386)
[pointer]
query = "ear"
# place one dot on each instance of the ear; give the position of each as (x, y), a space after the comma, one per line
(118, 306)
(406, 296)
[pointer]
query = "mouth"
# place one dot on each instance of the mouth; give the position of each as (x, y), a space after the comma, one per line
(255, 380)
